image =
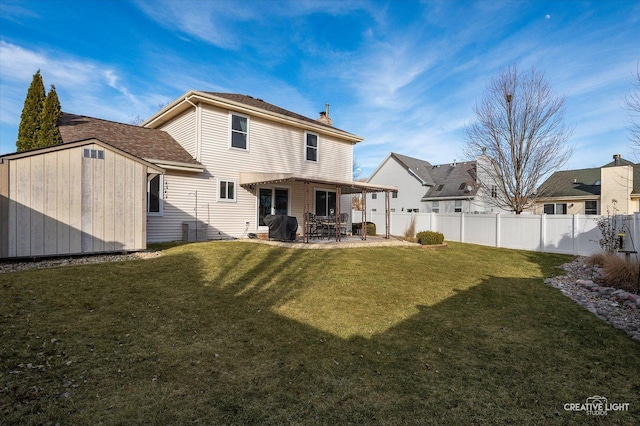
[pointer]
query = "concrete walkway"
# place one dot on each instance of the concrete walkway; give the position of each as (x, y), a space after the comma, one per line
(345, 242)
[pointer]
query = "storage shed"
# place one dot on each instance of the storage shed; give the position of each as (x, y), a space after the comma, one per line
(82, 197)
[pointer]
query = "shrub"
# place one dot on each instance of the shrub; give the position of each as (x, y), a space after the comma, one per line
(371, 228)
(616, 272)
(427, 238)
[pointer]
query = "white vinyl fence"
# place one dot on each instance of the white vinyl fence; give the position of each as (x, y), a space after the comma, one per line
(564, 234)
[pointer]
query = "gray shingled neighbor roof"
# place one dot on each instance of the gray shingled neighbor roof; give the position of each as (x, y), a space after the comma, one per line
(453, 181)
(418, 167)
(582, 182)
(444, 180)
(149, 144)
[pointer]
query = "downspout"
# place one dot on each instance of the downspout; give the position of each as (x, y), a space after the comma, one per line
(198, 129)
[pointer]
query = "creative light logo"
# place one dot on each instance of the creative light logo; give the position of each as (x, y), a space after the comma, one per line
(596, 406)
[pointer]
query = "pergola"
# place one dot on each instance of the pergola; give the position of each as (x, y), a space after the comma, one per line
(342, 187)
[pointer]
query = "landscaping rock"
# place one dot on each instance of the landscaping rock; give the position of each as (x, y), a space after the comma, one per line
(21, 265)
(618, 307)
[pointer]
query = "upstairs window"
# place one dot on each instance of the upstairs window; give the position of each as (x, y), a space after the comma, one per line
(239, 132)
(457, 206)
(311, 147)
(435, 206)
(494, 191)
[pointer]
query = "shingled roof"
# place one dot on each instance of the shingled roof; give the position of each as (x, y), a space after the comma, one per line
(444, 180)
(453, 181)
(572, 183)
(149, 144)
(583, 182)
(417, 167)
(259, 103)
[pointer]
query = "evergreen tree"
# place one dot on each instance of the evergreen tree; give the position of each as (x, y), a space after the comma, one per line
(49, 133)
(31, 114)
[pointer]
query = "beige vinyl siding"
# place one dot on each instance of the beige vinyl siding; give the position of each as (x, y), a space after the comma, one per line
(183, 130)
(60, 203)
(273, 148)
(179, 205)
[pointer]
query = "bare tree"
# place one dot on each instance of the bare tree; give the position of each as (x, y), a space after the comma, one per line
(632, 105)
(520, 136)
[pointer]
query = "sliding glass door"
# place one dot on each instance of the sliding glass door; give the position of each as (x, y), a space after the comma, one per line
(272, 201)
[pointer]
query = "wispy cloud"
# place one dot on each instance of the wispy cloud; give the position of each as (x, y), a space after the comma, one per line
(82, 86)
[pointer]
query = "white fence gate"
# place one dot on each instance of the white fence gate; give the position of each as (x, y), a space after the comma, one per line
(564, 234)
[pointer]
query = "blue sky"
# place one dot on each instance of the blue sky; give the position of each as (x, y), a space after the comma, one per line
(404, 75)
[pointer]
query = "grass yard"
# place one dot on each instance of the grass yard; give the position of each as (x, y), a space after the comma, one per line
(245, 333)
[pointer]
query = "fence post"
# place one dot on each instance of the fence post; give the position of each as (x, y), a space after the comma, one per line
(498, 225)
(635, 234)
(543, 231)
(574, 231)
(462, 227)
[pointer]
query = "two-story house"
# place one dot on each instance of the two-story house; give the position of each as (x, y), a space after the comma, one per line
(258, 159)
(208, 165)
(592, 190)
(423, 187)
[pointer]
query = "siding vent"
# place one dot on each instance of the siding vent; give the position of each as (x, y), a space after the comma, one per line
(94, 153)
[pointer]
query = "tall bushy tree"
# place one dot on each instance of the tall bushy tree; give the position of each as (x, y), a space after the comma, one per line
(49, 133)
(520, 134)
(31, 114)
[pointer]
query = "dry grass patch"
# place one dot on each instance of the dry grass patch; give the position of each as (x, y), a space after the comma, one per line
(617, 272)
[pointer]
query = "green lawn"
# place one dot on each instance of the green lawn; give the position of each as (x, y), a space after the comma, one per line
(245, 333)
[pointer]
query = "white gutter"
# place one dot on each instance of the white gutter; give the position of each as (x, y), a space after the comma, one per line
(175, 165)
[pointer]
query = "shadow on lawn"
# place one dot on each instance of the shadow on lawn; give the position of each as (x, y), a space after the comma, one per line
(209, 347)
(506, 350)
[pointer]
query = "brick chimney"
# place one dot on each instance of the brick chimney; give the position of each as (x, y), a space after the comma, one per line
(324, 116)
(616, 159)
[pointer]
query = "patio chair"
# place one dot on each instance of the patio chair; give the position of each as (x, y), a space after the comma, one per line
(344, 220)
(314, 229)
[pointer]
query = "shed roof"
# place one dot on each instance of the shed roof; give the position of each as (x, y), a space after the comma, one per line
(151, 144)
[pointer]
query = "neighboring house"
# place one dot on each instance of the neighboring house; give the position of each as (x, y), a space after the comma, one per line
(423, 187)
(258, 159)
(592, 191)
(82, 197)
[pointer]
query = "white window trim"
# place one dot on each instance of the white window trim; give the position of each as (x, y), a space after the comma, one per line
(273, 193)
(235, 190)
(160, 211)
(585, 206)
(333, 191)
(317, 160)
(231, 114)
